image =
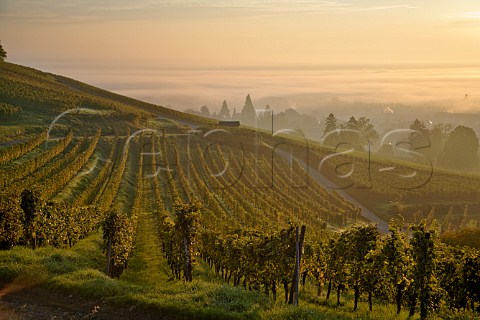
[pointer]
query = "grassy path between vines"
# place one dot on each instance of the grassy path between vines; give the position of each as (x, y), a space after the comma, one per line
(146, 266)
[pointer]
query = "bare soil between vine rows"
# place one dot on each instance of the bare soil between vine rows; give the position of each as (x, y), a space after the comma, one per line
(40, 303)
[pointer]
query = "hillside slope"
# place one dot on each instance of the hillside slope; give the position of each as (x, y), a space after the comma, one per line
(41, 97)
(180, 198)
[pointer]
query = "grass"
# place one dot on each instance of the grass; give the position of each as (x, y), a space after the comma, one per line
(126, 191)
(147, 259)
(147, 283)
(82, 181)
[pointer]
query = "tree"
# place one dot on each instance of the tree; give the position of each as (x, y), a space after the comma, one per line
(419, 138)
(204, 111)
(330, 124)
(234, 114)
(352, 124)
(367, 130)
(419, 126)
(460, 149)
(248, 113)
(224, 111)
(438, 134)
(3, 53)
(359, 133)
(352, 135)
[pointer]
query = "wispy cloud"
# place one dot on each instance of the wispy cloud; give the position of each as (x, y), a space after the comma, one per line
(280, 4)
(377, 8)
(464, 15)
(306, 6)
(289, 5)
(125, 9)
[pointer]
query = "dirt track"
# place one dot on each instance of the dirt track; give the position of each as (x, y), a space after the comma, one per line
(382, 225)
(39, 303)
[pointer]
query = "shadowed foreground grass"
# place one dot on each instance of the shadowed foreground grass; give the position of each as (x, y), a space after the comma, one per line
(147, 284)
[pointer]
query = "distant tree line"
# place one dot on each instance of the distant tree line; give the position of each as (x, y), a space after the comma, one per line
(454, 149)
(359, 133)
(247, 115)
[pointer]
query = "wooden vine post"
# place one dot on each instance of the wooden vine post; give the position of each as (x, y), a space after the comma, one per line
(300, 237)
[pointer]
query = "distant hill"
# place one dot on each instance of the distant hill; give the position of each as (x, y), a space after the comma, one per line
(42, 96)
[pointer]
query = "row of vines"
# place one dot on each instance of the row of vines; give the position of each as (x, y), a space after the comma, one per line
(237, 210)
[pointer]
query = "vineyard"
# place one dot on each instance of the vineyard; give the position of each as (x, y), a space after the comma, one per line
(251, 192)
(390, 187)
(207, 203)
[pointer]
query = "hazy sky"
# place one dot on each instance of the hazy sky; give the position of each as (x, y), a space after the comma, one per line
(236, 33)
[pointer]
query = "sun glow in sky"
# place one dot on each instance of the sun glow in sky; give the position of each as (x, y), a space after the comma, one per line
(236, 33)
(58, 36)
